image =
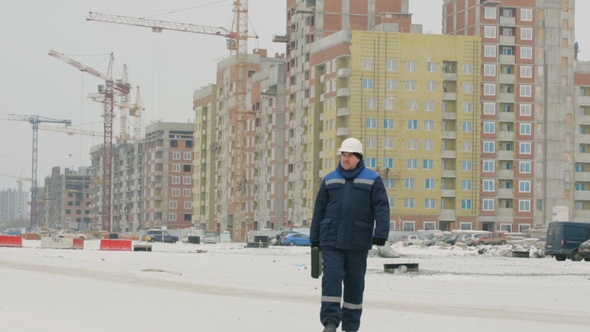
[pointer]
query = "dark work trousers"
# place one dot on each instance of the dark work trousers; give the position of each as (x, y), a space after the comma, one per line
(343, 268)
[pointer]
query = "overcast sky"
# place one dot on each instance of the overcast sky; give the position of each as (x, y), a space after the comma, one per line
(168, 66)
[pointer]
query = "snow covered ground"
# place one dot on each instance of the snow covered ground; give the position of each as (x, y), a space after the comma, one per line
(228, 287)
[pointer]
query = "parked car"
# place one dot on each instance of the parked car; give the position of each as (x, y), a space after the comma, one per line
(158, 235)
(70, 233)
(470, 239)
(210, 237)
(584, 250)
(295, 239)
(415, 240)
(283, 234)
(450, 238)
(491, 238)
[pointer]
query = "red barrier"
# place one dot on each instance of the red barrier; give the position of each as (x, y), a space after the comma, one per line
(119, 245)
(11, 241)
(78, 244)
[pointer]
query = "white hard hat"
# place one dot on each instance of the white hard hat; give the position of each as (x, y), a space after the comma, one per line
(351, 145)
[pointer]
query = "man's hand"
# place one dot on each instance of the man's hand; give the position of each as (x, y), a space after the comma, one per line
(379, 242)
(315, 244)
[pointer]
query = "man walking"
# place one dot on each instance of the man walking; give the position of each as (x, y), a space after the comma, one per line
(351, 214)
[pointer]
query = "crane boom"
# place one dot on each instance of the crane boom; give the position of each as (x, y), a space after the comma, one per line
(157, 25)
(35, 120)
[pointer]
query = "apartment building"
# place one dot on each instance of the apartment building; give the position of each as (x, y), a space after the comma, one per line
(527, 106)
(308, 22)
(14, 207)
(167, 160)
(127, 186)
(65, 200)
(581, 118)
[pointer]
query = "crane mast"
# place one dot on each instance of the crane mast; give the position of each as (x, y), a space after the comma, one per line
(237, 43)
(35, 120)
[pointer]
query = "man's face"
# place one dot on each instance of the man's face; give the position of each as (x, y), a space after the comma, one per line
(348, 160)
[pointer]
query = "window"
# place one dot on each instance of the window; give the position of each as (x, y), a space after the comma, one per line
(466, 185)
(368, 63)
(172, 217)
(175, 192)
(467, 126)
(525, 90)
(466, 165)
(429, 184)
(525, 147)
(409, 183)
(187, 180)
(466, 204)
(489, 51)
(186, 167)
(391, 65)
(489, 108)
(411, 163)
(371, 162)
(176, 155)
(412, 105)
(428, 144)
(490, 13)
(489, 147)
(489, 70)
(371, 122)
(490, 32)
(524, 166)
(172, 204)
(489, 89)
(524, 205)
(409, 203)
(489, 166)
(388, 143)
(428, 125)
(526, 14)
(176, 180)
(388, 163)
(525, 109)
(176, 168)
(187, 156)
(488, 185)
(371, 142)
(367, 83)
(413, 124)
(388, 103)
(412, 144)
(467, 146)
(525, 128)
(467, 87)
(431, 66)
(526, 52)
(467, 107)
(371, 103)
(489, 127)
(468, 69)
(188, 205)
(388, 123)
(524, 186)
(411, 85)
(488, 204)
(431, 86)
(429, 105)
(526, 71)
(526, 33)
(173, 143)
(411, 66)
(390, 84)
(186, 192)
(428, 164)
(429, 203)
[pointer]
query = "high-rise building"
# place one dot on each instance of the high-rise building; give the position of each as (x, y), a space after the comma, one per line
(527, 110)
(14, 207)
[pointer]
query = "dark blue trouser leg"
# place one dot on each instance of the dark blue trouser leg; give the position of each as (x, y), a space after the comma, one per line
(355, 267)
(332, 277)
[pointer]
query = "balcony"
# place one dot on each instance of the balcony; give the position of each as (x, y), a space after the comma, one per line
(584, 119)
(507, 40)
(507, 78)
(507, 59)
(449, 173)
(448, 193)
(506, 193)
(343, 111)
(508, 20)
(506, 174)
(582, 195)
(506, 136)
(505, 97)
(449, 115)
(582, 176)
(343, 92)
(344, 72)
(507, 116)
(450, 77)
(506, 212)
(344, 131)
(449, 134)
(449, 96)
(447, 215)
(583, 100)
(449, 154)
(506, 155)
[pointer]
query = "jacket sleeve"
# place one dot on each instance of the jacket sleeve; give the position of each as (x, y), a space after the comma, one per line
(380, 209)
(319, 212)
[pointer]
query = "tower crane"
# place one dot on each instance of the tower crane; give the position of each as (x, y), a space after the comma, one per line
(72, 131)
(107, 150)
(35, 120)
(237, 43)
(19, 179)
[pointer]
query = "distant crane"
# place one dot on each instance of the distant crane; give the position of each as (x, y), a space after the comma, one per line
(107, 150)
(35, 120)
(237, 43)
(72, 131)
(19, 179)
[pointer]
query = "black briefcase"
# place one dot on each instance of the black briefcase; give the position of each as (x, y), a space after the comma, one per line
(316, 262)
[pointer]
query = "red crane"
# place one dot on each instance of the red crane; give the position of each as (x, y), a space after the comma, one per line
(107, 150)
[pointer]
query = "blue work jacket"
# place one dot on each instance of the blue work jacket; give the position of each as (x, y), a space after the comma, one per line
(351, 209)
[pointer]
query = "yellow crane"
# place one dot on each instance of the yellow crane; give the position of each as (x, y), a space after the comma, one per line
(19, 179)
